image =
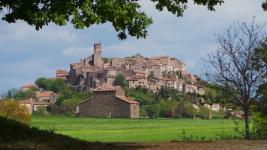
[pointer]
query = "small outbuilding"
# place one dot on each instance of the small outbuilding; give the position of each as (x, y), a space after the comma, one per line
(109, 102)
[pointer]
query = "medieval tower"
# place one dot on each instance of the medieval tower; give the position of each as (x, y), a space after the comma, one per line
(97, 55)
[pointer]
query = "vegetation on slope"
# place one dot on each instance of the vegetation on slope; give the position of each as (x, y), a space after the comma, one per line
(16, 135)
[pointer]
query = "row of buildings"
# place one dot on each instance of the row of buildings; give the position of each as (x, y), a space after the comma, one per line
(152, 73)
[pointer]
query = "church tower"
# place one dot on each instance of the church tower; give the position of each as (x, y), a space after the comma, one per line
(97, 55)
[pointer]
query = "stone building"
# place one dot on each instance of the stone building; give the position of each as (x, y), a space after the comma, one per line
(149, 72)
(97, 55)
(109, 102)
(41, 100)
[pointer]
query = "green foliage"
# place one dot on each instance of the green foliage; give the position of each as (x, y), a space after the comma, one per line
(11, 93)
(167, 108)
(105, 59)
(260, 125)
(142, 95)
(125, 16)
(185, 109)
(120, 80)
(41, 111)
(68, 97)
(218, 94)
(70, 104)
(25, 94)
(55, 85)
(152, 111)
(169, 93)
(204, 112)
(12, 110)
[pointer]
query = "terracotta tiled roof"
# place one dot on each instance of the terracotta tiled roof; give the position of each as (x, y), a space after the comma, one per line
(44, 93)
(131, 79)
(59, 71)
(28, 85)
(127, 99)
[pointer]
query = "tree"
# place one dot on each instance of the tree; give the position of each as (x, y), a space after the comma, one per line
(260, 56)
(41, 82)
(120, 80)
(12, 110)
(25, 94)
(11, 93)
(232, 66)
(152, 111)
(55, 85)
(125, 15)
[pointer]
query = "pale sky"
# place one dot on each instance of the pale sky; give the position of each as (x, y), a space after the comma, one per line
(26, 54)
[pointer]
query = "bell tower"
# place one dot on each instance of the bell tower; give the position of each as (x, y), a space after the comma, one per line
(97, 55)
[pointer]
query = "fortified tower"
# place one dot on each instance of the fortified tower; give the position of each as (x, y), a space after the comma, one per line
(97, 55)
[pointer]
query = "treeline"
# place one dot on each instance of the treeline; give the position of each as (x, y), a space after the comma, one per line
(168, 102)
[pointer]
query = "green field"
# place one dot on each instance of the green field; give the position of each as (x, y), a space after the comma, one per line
(134, 130)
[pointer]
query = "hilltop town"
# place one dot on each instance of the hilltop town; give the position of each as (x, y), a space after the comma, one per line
(152, 73)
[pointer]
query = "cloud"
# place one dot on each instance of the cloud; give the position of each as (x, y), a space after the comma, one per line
(21, 30)
(77, 51)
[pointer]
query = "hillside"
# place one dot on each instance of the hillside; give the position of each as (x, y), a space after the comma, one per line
(15, 135)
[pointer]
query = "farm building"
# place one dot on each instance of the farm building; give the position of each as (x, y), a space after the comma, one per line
(110, 103)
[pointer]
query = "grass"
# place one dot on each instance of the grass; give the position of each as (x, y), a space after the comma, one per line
(135, 130)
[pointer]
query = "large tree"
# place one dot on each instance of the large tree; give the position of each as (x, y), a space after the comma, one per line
(125, 15)
(261, 64)
(232, 65)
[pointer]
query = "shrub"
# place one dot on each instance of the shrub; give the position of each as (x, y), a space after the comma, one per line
(260, 125)
(152, 111)
(120, 80)
(204, 112)
(41, 111)
(185, 109)
(12, 110)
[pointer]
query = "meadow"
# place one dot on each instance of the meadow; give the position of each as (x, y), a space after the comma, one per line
(136, 130)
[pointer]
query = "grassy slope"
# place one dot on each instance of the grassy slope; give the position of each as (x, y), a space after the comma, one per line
(133, 130)
(17, 136)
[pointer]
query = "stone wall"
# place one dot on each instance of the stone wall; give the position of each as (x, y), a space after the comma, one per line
(106, 104)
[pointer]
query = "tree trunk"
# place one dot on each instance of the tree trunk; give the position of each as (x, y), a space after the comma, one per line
(246, 118)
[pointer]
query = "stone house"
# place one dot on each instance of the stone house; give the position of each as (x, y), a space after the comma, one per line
(45, 97)
(41, 100)
(28, 103)
(110, 102)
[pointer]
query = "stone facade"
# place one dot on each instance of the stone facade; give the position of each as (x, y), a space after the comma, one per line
(149, 72)
(109, 103)
(97, 55)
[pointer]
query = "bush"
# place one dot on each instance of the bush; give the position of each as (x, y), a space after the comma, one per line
(12, 110)
(41, 111)
(152, 111)
(260, 125)
(120, 80)
(204, 112)
(167, 108)
(185, 109)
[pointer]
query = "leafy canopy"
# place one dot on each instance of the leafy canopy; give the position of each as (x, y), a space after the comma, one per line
(125, 15)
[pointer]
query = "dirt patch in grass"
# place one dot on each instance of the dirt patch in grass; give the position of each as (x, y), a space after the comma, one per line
(216, 145)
